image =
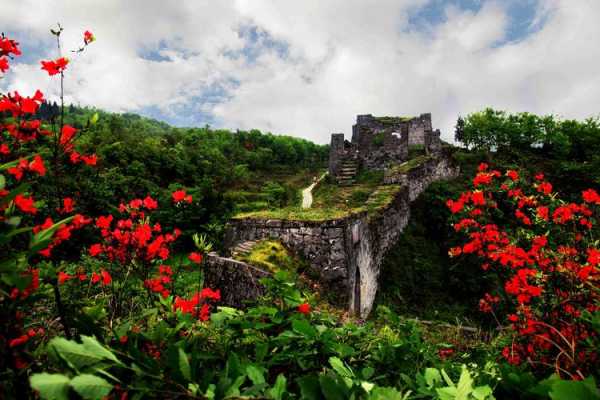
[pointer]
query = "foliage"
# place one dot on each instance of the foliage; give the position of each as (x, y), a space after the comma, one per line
(272, 256)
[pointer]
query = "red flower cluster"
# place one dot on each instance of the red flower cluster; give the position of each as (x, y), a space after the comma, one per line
(180, 195)
(36, 165)
(88, 37)
(133, 237)
(198, 304)
(8, 48)
(548, 262)
(63, 233)
(304, 308)
(195, 258)
(157, 285)
(54, 67)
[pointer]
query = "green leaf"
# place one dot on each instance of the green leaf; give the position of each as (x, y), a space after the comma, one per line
(304, 327)
(309, 387)
(94, 119)
(340, 368)
(432, 377)
(386, 393)
(78, 355)
(2, 181)
(91, 387)
(184, 365)
(234, 388)
(91, 344)
(465, 385)
(51, 386)
(255, 374)
(331, 389)
(575, 390)
(278, 389)
(482, 392)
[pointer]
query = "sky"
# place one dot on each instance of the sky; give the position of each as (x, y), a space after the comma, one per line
(307, 68)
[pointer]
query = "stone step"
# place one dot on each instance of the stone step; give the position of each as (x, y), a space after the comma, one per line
(243, 248)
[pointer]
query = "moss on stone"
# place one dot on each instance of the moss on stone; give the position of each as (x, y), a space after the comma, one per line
(409, 165)
(272, 256)
(392, 120)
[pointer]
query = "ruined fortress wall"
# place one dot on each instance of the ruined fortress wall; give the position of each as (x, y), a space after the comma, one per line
(419, 128)
(418, 179)
(237, 280)
(346, 254)
(321, 243)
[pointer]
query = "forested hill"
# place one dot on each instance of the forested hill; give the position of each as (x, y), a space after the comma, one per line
(140, 156)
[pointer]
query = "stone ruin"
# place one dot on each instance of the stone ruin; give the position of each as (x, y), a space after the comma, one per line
(378, 142)
(344, 254)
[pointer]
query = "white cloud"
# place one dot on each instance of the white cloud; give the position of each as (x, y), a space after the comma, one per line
(344, 57)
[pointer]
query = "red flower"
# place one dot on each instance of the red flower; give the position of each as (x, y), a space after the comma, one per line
(150, 203)
(104, 222)
(514, 175)
(37, 165)
(90, 160)
(208, 293)
(18, 341)
(75, 157)
(304, 308)
(543, 212)
(95, 249)
(482, 178)
(106, 278)
(591, 196)
(180, 195)
(445, 353)
(482, 167)
(88, 37)
(455, 251)
(545, 187)
(478, 198)
(539, 176)
(195, 257)
(25, 204)
(3, 64)
(455, 206)
(56, 66)
(67, 205)
(63, 277)
(123, 339)
(67, 134)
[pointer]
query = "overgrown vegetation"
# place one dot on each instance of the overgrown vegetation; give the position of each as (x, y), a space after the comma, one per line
(272, 256)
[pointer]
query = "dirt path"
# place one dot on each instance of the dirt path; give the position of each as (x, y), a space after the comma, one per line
(307, 197)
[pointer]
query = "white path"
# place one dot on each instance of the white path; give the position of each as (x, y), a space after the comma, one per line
(307, 197)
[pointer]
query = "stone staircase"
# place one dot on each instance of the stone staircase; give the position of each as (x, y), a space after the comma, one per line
(243, 248)
(347, 172)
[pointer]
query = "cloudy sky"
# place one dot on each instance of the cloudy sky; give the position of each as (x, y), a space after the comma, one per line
(307, 67)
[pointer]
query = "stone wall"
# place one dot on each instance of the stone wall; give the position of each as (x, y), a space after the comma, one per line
(238, 281)
(336, 152)
(346, 254)
(322, 244)
(417, 179)
(419, 128)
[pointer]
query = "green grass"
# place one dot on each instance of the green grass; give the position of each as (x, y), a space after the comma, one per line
(410, 164)
(272, 256)
(331, 201)
(392, 120)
